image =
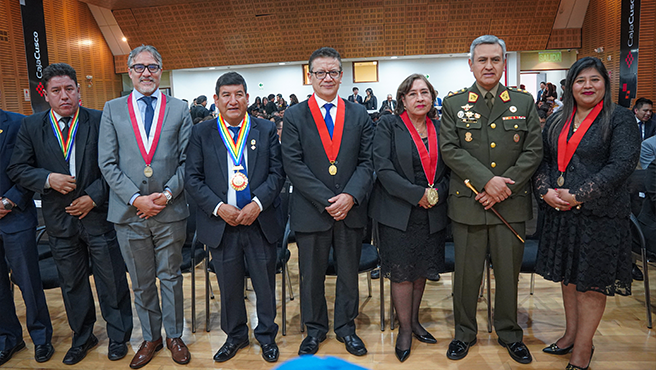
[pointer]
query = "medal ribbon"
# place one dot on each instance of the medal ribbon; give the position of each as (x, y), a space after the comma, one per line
(330, 146)
(428, 157)
(147, 156)
(566, 148)
(65, 143)
(234, 147)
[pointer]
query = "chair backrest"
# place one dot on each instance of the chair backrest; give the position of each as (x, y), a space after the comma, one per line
(637, 190)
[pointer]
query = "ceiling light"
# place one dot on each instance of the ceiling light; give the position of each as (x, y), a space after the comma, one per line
(124, 39)
(393, 57)
(281, 64)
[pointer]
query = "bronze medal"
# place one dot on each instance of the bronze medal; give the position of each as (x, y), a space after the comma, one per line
(432, 197)
(561, 180)
(332, 169)
(239, 181)
(516, 138)
(148, 171)
(468, 137)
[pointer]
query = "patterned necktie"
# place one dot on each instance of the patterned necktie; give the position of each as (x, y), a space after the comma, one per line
(150, 113)
(488, 100)
(329, 120)
(65, 121)
(243, 196)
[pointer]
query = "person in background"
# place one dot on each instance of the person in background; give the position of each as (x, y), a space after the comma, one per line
(370, 101)
(355, 98)
(293, 100)
(388, 106)
(591, 148)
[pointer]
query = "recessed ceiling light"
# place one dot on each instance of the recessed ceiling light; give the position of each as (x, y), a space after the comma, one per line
(393, 57)
(124, 39)
(212, 68)
(281, 64)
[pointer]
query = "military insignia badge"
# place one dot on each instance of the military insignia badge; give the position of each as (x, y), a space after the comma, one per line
(469, 114)
(473, 97)
(461, 114)
(477, 116)
(516, 138)
(504, 96)
(467, 107)
(468, 137)
(513, 109)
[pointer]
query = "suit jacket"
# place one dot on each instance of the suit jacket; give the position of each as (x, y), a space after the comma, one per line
(206, 172)
(270, 108)
(650, 130)
(505, 142)
(306, 164)
(647, 152)
(395, 192)
(352, 100)
(123, 166)
(23, 216)
(387, 104)
(37, 154)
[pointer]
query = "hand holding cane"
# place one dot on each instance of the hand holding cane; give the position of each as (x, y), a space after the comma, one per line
(470, 186)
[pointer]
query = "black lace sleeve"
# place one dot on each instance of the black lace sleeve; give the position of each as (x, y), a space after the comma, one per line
(541, 180)
(624, 154)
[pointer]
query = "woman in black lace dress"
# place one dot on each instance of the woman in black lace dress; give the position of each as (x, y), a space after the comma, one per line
(585, 243)
(409, 203)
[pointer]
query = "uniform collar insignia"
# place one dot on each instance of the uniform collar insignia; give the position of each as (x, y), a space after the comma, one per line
(504, 96)
(473, 97)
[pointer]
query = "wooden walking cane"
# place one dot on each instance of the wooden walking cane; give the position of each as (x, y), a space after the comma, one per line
(469, 185)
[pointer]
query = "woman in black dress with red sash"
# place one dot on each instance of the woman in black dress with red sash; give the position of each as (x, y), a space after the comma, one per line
(590, 148)
(409, 203)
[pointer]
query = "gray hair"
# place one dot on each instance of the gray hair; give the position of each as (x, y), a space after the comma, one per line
(140, 49)
(487, 39)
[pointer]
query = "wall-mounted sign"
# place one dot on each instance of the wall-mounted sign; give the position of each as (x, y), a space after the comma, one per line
(550, 56)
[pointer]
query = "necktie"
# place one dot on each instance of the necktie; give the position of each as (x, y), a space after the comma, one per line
(329, 120)
(65, 121)
(642, 133)
(150, 112)
(243, 196)
(488, 100)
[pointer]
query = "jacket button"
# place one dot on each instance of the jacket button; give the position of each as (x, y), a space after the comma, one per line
(468, 125)
(144, 182)
(336, 186)
(516, 126)
(493, 164)
(493, 145)
(457, 192)
(493, 125)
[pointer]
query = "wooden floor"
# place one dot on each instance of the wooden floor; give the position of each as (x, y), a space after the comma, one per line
(623, 340)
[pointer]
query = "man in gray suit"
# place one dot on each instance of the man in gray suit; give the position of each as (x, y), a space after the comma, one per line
(146, 201)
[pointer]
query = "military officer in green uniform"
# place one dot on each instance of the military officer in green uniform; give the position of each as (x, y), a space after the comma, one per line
(490, 135)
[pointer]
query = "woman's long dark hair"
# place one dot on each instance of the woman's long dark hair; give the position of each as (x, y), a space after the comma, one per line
(258, 101)
(568, 97)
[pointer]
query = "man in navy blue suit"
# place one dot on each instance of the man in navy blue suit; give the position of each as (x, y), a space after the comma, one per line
(18, 247)
(234, 173)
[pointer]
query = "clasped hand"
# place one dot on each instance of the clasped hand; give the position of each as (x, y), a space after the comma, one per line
(560, 199)
(149, 205)
(495, 191)
(233, 216)
(340, 207)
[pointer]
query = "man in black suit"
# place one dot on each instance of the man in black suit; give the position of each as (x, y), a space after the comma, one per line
(271, 106)
(18, 247)
(56, 154)
(355, 98)
(199, 110)
(388, 105)
(236, 184)
(643, 110)
(327, 155)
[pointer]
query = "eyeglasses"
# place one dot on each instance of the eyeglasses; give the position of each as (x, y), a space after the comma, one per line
(322, 74)
(140, 68)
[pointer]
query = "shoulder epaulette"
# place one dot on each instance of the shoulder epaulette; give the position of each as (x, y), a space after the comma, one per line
(514, 89)
(457, 92)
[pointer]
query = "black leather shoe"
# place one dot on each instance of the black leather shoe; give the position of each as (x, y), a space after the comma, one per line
(434, 278)
(8, 353)
(426, 338)
(458, 349)
(310, 345)
(553, 349)
(518, 351)
(354, 344)
(116, 350)
(78, 353)
(43, 352)
(229, 350)
(574, 367)
(401, 354)
(636, 273)
(270, 352)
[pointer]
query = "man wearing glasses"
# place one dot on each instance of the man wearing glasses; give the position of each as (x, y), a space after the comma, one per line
(326, 146)
(142, 157)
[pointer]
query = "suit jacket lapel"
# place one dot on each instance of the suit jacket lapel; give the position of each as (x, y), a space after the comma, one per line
(53, 144)
(4, 118)
(403, 143)
(499, 105)
(221, 151)
(479, 104)
(252, 149)
(81, 140)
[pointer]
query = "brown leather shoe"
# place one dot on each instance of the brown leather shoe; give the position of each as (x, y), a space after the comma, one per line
(145, 353)
(179, 351)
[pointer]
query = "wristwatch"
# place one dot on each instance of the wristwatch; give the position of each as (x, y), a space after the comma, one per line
(6, 204)
(168, 196)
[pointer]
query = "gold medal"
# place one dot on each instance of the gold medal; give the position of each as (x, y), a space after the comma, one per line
(332, 169)
(561, 180)
(433, 196)
(148, 171)
(239, 181)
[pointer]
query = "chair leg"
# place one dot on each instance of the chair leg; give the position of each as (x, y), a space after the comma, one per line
(207, 289)
(382, 303)
(193, 288)
(300, 295)
(532, 282)
(284, 298)
(369, 282)
(645, 269)
(489, 297)
(289, 283)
